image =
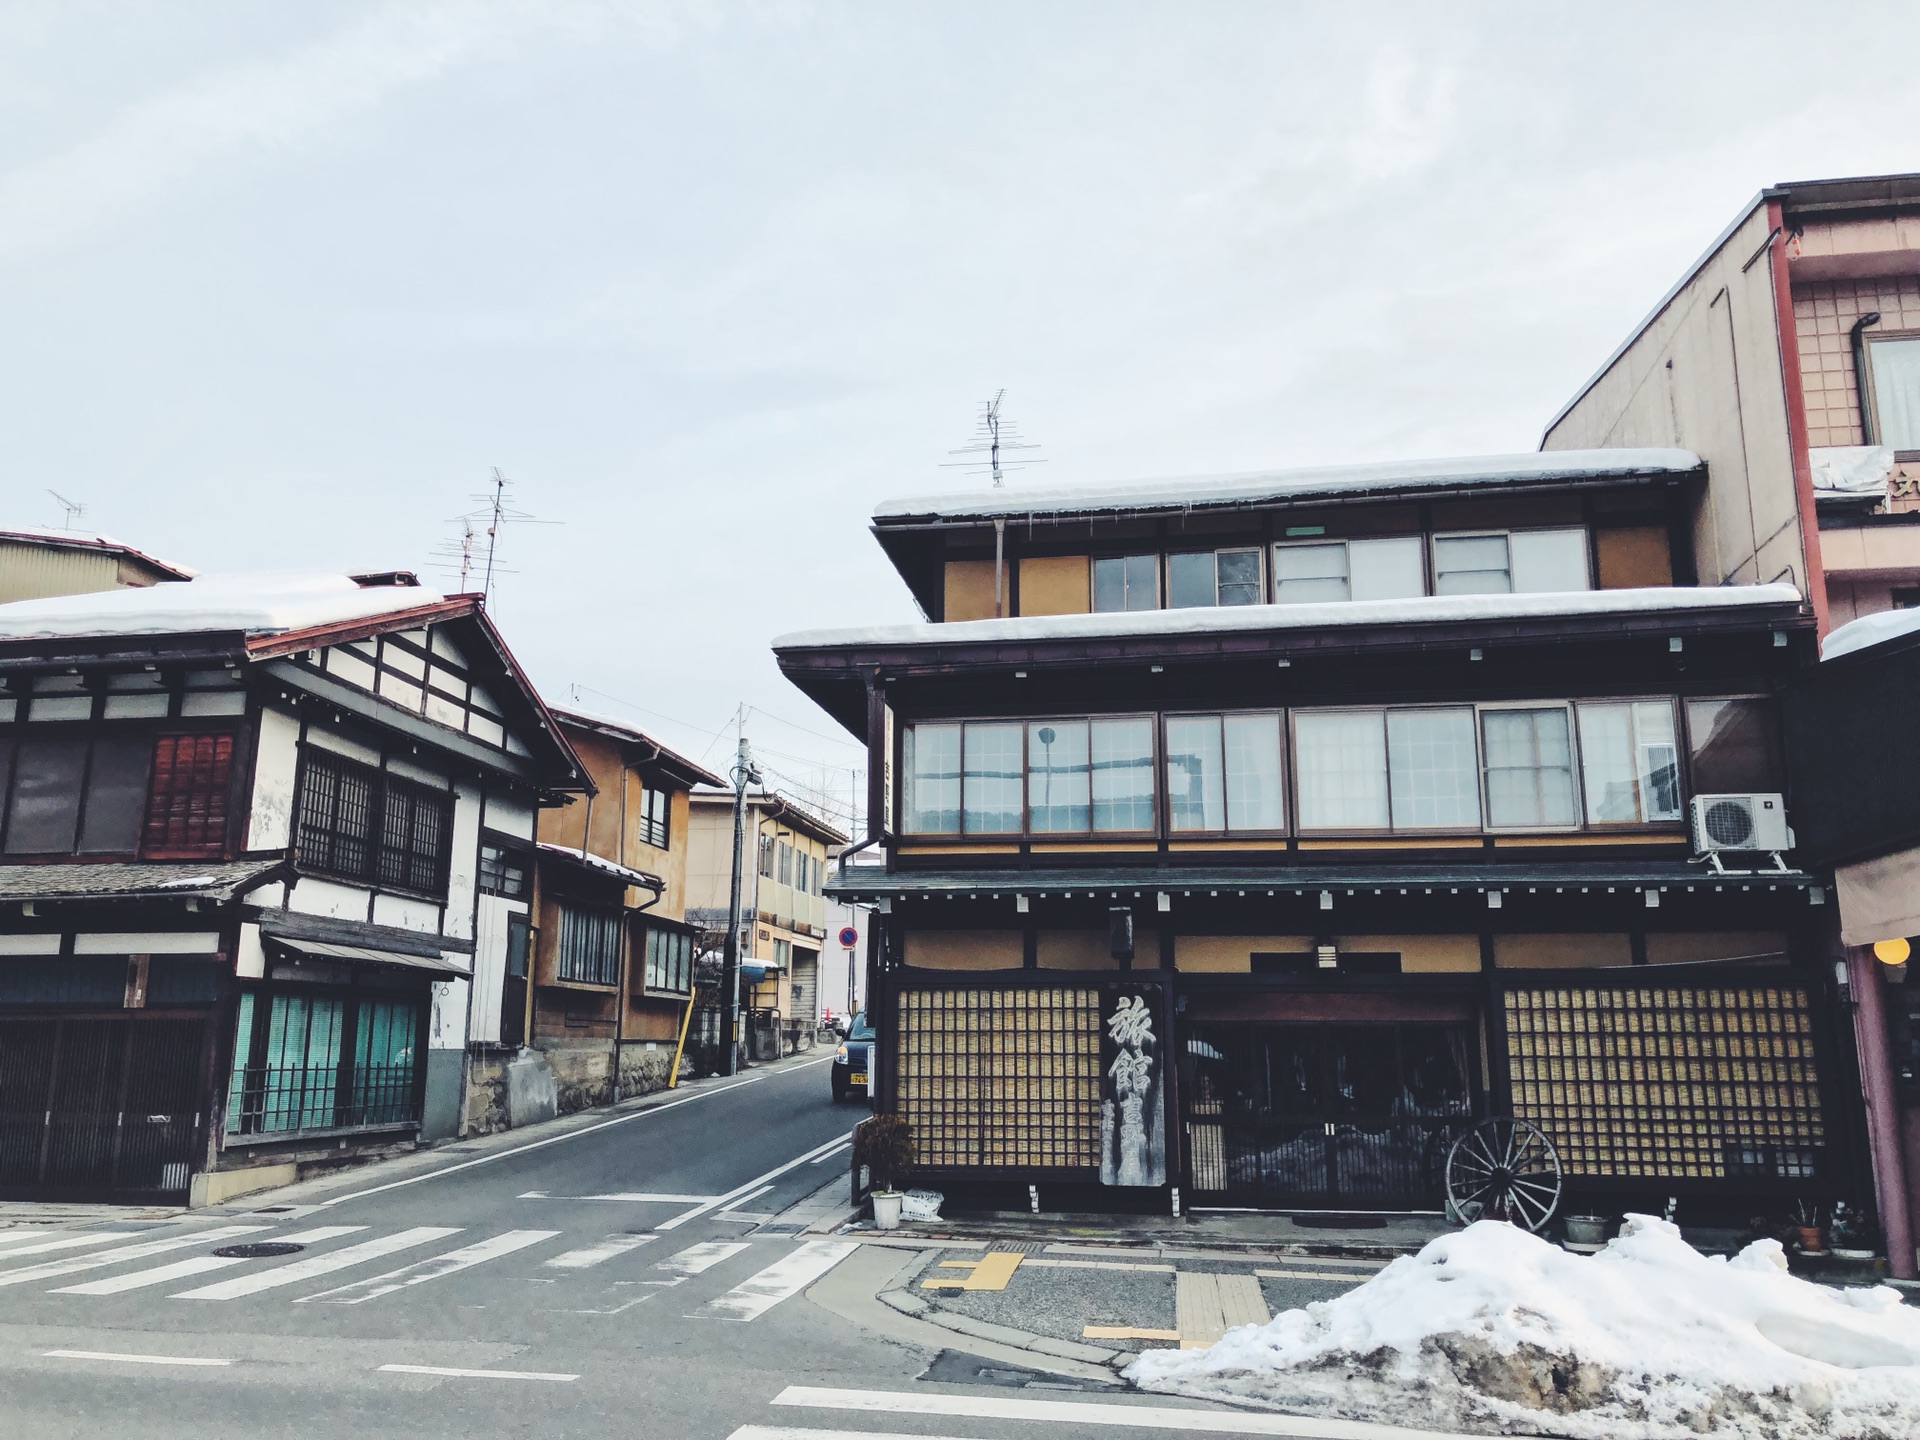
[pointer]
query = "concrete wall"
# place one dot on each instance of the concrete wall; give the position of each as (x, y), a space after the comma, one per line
(1705, 374)
(1823, 313)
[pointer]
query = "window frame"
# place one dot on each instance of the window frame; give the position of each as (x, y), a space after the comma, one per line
(1682, 761)
(1163, 801)
(1576, 773)
(1880, 336)
(1583, 528)
(1026, 832)
(150, 732)
(1158, 559)
(612, 917)
(1254, 548)
(1316, 832)
(372, 877)
(673, 941)
(651, 824)
(1423, 539)
(1684, 730)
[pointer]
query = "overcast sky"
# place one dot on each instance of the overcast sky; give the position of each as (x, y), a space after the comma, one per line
(280, 284)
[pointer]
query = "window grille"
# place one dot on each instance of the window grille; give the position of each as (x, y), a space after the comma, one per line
(1001, 1076)
(589, 950)
(1694, 1081)
(358, 823)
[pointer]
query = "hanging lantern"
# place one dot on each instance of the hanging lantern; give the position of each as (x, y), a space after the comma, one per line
(1892, 952)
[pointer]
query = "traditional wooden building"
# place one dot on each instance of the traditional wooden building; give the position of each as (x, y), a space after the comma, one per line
(1246, 839)
(241, 826)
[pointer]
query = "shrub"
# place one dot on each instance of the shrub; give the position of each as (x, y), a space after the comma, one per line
(884, 1145)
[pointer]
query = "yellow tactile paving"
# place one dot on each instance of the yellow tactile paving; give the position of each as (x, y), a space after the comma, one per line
(1205, 1307)
(990, 1272)
(1126, 1332)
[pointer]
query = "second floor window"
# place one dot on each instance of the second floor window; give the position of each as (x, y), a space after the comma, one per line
(1214, 577)
(1050, 777)
(159, 796)
(588, 950)
(1127, 582)
(1896, 391)
(1393, 568)
(654, 823)
(503, 871)
(669, 960)
(362, 824)
(1223, 773)
(1518, 562)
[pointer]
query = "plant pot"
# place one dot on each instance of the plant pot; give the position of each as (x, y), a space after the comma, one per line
(1587, 1229)
(1811, 1240)
(886, 1210)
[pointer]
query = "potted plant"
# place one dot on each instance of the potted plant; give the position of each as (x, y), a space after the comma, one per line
(884, 1146)
(1590, 1230)
(1808, 1227)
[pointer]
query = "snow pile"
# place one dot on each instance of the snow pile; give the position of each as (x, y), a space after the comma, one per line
(268, 602)
(1497, 1331)
(1869, 630)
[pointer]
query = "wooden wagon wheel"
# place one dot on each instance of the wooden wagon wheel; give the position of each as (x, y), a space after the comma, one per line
(1503, 1169)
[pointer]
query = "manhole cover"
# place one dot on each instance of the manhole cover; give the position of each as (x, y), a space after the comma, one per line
(258, 1251)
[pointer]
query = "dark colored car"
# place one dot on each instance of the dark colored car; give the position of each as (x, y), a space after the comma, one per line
(850, 1061)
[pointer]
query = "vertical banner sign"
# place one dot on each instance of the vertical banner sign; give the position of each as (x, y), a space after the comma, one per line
(886, 772)
(1133, 1090)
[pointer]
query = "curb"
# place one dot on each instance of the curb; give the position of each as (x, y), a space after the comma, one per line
(907, 1303)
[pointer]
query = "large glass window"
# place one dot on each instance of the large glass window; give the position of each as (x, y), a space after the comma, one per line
(113, 794)
(1523, 562)
(930, 756)
(589, 945)
(1122, 755)
(1393, 568)
(322, 1062)
(655, 808)
(1341, 764)
(1529, 766)
(1896, 391)
(1210, 577)
(1629, 762)
(1471, 565)
(1432, 769)
(1736, 747)
(1059, 788)
(1224, 772)
(990, 780)
(1126, 582)
(669, 959)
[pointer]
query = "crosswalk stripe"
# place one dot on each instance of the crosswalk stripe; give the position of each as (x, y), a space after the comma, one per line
(45, 1245)
(196, 1265)
(787, 1276)
(698, 1259)
(1078, 1412)
(421, 1271)
(48, 1269)
(318, 1265)
(590, 1255)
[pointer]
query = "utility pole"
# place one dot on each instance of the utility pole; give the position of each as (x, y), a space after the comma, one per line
(742, 774)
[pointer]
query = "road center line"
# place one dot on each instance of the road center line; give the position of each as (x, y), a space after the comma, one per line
(740, 1191)
(1086, 1412)
(843, 1145)
(459, 1374)
(736, 1204)
(569, 1135)
(133, 1359)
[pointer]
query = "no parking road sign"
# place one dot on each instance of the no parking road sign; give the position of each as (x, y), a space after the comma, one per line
(849, 936)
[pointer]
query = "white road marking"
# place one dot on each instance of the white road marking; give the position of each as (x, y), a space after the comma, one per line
(133, 1359)
(197, 1265)
(698, 1259)
(478, 1374)
(740, 1190)
(299, 1270)
(822, 1159)
(47, 1269)
(1344, 1279)
(1087, 1412)
(421, 1271)
(751, 1195)
(786, 1277)
(44, 1245)
(557, 1139)
(591, 1255)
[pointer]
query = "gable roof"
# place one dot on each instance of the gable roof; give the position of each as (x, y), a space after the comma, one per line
(687, 772)
(79, 540)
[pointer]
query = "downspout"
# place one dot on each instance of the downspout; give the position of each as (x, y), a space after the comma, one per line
(1857, 343)
(999, 567)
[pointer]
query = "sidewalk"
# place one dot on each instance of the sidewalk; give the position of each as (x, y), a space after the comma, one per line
(430, 1158)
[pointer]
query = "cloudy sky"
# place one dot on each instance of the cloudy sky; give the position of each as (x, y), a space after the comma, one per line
(280, 285)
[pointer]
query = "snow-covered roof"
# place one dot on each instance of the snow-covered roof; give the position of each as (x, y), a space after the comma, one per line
(627, 730)
(1869, 630)
(577, 856)
(1850, 469)
(262, 603)
(1335, 481)
(83, 540)
(1320, 615)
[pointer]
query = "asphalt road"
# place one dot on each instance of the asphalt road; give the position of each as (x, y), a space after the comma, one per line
(617, 1278)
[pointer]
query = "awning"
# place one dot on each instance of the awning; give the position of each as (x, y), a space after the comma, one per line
(1878, 898)
(366, 955)
(601, 866)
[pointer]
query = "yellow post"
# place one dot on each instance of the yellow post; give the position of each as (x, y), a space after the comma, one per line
(673, 1076)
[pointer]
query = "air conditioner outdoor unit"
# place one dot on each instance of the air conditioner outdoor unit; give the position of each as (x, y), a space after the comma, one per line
(1740, 822)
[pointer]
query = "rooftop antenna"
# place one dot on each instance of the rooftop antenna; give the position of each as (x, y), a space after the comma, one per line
(74, 508)
(496, 511)
(456, 555)
(993, 436)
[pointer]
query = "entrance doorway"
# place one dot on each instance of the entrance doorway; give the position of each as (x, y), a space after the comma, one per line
(1343, 1116)
(94, 1108)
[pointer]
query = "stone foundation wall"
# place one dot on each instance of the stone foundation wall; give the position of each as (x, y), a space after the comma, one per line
(485, 1110)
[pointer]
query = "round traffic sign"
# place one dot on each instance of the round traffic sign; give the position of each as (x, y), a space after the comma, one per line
(849, 936)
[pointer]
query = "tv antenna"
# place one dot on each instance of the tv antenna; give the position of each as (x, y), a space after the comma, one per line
(456, 555)
(74, 508)
(993, 436)
(495, 513)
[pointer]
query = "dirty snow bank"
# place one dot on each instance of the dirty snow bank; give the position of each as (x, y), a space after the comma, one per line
(1495, 1330)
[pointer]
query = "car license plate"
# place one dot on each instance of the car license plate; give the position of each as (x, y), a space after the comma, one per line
(859, 1077)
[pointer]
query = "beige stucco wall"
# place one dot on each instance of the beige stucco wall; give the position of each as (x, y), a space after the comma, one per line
(964, 949)
(1705, 375)
(969, 590)
(1055, 585)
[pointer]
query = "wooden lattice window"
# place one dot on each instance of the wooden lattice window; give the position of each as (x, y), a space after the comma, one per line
(1670, 1081)
(187, 803)
(358, 823)
(1001, 1076)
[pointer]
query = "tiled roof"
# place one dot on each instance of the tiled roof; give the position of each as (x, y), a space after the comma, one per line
(125, 880)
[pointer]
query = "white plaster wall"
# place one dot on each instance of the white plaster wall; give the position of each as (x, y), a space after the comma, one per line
(276, 760)
(341, 745)
(410, 770)
(509, 817)
(447, 1029)
(490, 963)
(328, 897)
(250, 958)
(422, 915)
(463, 859)
(148, 942)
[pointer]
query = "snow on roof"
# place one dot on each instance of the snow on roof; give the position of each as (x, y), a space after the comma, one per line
(85, 541)
(1869, 630)
(578, 856)
(1494, 1330)
(260, 603)
(626, 729)
(1212, 620)
(1275, 485)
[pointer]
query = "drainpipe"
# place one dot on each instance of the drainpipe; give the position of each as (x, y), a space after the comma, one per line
(1857, 342)
(1883, 1113)
(999, 567)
